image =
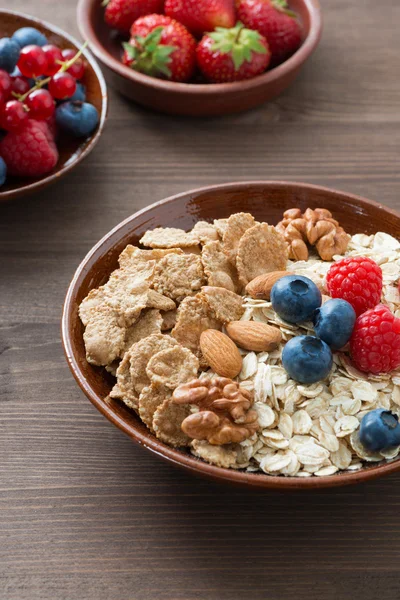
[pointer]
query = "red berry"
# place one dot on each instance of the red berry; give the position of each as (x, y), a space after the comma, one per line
(54, 59)
(162, 47)
(30, 152)
(62, 86)
(375, 343)
(358, 280)
(200, 16)
(13, 116)
(20, 85)
(232, 54)
(77, 69)
(276, 22)
(120, 14)
(32, 61)
(41, 105)
(5, 83)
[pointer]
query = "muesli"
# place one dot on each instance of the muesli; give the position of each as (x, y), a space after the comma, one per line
(268, 349)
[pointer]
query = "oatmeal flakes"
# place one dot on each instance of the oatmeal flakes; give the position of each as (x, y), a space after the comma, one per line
(302, 422)
(148, 323)
(168, 320)
(220, 272)
(266, 416)
(220, 456)
(169, 237)
(285, 425)
(226, 306)
(142, 352)
(179, 276)
(221, 226)
(104, 338)
(150, 399)
(275, 463)
(167, 422)
(311, 454)
(250, 366)
(172, 366)
(261, 250)
(237, 225)
(205, 232)
(124, 389)
(194, 317)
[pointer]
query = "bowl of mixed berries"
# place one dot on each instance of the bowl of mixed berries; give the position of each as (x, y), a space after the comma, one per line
(201, 57)
(53, 104)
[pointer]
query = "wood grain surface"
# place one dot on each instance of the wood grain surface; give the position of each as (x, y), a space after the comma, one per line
(85, 514)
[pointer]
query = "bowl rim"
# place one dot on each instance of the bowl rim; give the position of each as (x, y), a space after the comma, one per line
(177, 457)
(92, 141)
(299, 57)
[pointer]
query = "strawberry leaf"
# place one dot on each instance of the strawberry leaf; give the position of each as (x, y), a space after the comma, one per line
(239, 42)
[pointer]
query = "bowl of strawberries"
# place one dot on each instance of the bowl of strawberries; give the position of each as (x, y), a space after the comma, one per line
(53, 104)
(201, 57)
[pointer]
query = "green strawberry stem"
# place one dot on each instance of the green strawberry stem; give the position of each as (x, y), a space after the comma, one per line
(41, 83)
(237, 41)
(282, 6)
(148, 55)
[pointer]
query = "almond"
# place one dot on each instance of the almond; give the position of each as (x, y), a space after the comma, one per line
(221, 353)
(254, 336)
(261, 286)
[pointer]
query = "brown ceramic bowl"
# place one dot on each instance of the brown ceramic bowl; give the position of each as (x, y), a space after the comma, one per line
(72, 151)
(266, 201)
(188, 98)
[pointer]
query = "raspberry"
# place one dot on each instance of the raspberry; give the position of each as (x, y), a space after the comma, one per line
(30, 152)
(358, 280)
(375, 343)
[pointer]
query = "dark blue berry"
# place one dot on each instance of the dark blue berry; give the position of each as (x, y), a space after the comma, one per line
(379, 430)
(295, 298)
(3, 172)
(80, 93)
(307, 359)
(334, 322)
(79, 119)
(9, 54)
(27, 36)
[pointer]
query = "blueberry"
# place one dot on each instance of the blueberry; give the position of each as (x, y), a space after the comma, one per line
(334, 322)
(27, 36)
(80, 93)
(9, 54)
(3, 172)
(307, 359)
(295, 298)
(379, 430)
(79, 119)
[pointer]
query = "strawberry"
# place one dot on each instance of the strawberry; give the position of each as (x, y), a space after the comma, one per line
(275, 22)
(31, 151)
(200, 16)
(161, 47)
(120, 14)
(232, 54)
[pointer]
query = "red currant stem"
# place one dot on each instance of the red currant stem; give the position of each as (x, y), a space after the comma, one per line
(39, 84)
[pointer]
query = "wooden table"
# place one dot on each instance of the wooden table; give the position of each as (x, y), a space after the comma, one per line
(87, 515)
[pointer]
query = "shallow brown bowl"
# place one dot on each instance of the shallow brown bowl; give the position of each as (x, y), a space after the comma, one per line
(266, 201)
(72, 151)
(190, 98)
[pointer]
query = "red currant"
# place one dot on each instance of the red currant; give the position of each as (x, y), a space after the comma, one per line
(62, 86)
(32, 61)
(20, 85)
(77, 69)
(5, 83)
(13, 115)
(54, 58)
(41, 105)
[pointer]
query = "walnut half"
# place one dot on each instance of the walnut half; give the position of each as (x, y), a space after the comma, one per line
(224, 414)
(315, 227)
